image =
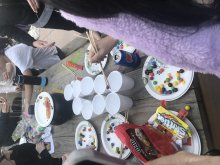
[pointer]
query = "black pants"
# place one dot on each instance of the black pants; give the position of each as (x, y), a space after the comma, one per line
(56, 21)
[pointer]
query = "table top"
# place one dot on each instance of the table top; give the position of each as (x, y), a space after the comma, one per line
(144, 104)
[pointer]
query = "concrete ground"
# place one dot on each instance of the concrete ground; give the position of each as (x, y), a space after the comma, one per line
(61, 37)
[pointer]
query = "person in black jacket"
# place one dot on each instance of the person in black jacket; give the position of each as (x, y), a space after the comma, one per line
(18, 12)
(7, 124)
(28, 154)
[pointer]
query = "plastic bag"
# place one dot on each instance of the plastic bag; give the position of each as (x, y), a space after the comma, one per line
(145, 142)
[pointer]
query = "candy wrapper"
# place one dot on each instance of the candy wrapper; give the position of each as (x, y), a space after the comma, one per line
(145, 142)
(178, 128)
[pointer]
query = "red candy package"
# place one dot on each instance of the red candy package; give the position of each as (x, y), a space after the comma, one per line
(145, 142)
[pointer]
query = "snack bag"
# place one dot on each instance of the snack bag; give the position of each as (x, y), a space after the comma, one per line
(145, 142)
(178, 128)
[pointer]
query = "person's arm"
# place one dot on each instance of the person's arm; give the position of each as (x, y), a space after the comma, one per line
(28, 91)
(17, 34)
(34, 4)
(21, 36)
(9, 71)
(2, 64)
(184, 158)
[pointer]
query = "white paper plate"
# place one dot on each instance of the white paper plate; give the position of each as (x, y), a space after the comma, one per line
(85, 136)
(40, 109)
(110, 138)
(122, 46)
(182, 89)
(195, 148)
(93, 68)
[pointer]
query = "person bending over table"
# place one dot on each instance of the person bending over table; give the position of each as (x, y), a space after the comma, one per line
(25, 58)
(162, 29)
(29, 154)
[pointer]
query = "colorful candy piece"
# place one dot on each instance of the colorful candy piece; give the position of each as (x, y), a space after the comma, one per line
(80, 143)
(154, 62)
(112, 144)
(175, 83)
(167, 79)
(187, 107)
(151, 74)
(161, 85)
(170, 84)
(177, 74)
(154, 66)
(181, 71)
(161, 70)
(155, 82)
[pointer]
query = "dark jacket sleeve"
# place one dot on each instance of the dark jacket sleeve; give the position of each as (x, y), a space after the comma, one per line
(16, 34)
(4, 119)
(47, 159)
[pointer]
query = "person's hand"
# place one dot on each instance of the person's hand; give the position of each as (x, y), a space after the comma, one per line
(64, 157)
(6, 75)
(5, 106)
(42, 44)
(40, 147)
(34, 4)
(104, 46)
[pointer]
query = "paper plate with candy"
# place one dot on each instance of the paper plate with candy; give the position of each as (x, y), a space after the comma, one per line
(110, 141)
(44, 109)
(165, 82)
(85, 136)
(93, 68)
(182, 131)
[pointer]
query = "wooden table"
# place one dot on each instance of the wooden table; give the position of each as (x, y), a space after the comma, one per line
(144, 104)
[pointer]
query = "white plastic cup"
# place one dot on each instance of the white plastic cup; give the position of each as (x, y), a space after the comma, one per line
(87, 84)
(119, 82)
(68, 92)
(98, 104)
(87, 110)
(77, 105)
(116, 103)
(72, 82)
(76, 86)
(100, 86)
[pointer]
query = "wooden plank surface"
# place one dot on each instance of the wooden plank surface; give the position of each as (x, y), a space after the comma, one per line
(144, 104)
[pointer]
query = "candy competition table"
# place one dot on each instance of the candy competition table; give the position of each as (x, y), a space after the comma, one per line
(144, 104)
